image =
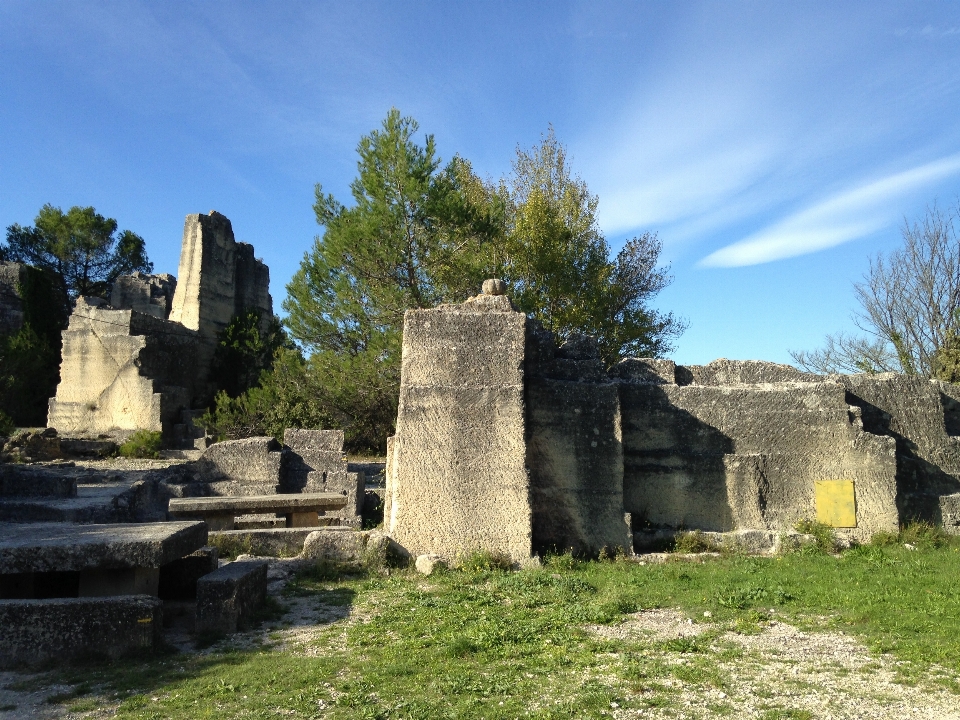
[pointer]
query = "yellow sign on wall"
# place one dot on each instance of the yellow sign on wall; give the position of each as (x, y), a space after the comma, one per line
(836, 503)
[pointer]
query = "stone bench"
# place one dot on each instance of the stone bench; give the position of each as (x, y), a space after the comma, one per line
(220, 513)
(43, 560)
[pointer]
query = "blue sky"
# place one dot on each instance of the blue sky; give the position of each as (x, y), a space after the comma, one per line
(773, 146)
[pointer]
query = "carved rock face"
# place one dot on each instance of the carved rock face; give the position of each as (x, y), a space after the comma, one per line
(494, 286)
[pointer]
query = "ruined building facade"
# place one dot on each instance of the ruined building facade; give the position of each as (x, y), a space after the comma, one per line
(511, 444)
(143, 360)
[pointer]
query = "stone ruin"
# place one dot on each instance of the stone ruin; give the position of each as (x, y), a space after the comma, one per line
(142, 362)
(507, 443)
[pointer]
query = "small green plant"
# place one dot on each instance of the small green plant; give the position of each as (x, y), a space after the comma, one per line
(924, 535)
(826, 541)
(142, 444)
(481, 561)
(693, 542)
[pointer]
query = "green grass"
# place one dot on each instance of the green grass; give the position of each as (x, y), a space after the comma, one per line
(486, 642)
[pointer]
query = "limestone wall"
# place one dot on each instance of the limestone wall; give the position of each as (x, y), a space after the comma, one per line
(574, 448)
(922, 417)
(458, 472)
(122, 370)
(724, 457)
(148, 294)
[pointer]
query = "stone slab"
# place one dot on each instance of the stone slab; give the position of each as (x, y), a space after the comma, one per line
(228, 597)
(51, 547)
(28, 481)
(299, 502)
(264, 542)
(39, 631)
(347, 547)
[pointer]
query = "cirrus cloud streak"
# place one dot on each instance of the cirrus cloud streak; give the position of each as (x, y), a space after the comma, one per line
(849, 215)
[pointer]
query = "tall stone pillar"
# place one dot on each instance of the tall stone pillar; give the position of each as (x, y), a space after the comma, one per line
(206, 280)
(459, 481)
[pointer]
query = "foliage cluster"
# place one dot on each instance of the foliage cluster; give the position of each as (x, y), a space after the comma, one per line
(909, 308)
(30, 357)
(142, 444)
(81, 246)
(420, 233)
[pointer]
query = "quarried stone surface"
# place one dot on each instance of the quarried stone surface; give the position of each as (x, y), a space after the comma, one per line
(460, 481)
(950, 513)
(148, 294)
(33, 481)
(723, 457)
(574, 449)
(122, 370)
(923, 417)
(263, 542)
(255, 465)
(63, 629)
(347, 547)
(177, 580)
(228, 597)
(317, 464)
(59, 547)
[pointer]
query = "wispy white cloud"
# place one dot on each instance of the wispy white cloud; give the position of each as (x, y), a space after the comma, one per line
(846, 216)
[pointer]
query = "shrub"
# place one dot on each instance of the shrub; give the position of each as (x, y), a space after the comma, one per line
(826, 541)
(694, 542)
(481, 561)
(142, 444)
(7, 427)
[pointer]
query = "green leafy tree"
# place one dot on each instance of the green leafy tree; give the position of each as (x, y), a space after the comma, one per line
(557, 262)
(413, 238)
(245, 349)
(30, 357)
(81, 245)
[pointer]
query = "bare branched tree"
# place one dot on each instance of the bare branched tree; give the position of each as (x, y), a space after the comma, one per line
(908, 305)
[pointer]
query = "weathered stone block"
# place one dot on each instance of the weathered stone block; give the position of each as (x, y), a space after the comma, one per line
(263, 542)
(252, 461)
(460, 454)
(122, 370)
(50, 547)
(347, 547)
(62, 629)
(950, 513)
(228, 597)
(32, 481)
(148, 294)
(178, 579)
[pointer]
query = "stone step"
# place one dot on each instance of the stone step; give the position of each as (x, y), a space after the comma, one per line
(25, 481)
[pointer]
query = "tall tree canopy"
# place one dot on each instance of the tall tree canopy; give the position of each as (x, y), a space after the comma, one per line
(420, 233)
(410, 240)
(81, 245)
(558, 266)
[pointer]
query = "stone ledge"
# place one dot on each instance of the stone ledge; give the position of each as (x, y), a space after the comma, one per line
(61, 629)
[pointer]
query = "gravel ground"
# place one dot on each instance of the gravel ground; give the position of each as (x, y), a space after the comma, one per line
(781, 668)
